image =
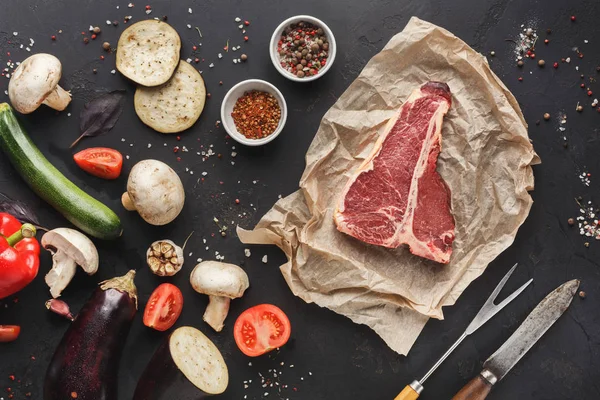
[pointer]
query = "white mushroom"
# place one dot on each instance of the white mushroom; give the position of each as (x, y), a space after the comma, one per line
(35, 82)
(69, 249)
(221, 282)
(155, 191)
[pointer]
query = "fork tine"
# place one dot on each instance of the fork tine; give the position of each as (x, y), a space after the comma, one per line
(512, 296)
(500, 285)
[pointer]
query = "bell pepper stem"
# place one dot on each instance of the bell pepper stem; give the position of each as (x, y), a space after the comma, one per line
(26, 231)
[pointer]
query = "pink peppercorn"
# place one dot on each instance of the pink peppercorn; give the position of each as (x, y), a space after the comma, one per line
(555, 65)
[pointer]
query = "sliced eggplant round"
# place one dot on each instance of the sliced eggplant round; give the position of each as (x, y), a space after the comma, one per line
(148, 52)
(174, 106)
(186, 366)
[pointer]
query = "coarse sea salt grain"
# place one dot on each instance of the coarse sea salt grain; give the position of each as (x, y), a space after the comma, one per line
(189, 26)
(108, 22)
(264, 259)
(237, 19)
(247, 252)
(211, 65)
(190, 10)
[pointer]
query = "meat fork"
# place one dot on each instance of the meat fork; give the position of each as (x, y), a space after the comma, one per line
(489, 309)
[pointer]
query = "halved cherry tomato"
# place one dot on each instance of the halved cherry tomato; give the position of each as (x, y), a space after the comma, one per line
(9, 333)
(164, 307)
(102, 162)
(261, 329)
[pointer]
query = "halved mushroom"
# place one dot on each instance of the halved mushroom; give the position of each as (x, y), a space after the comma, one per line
(148, 52)
(221, 282)
(69, 249)
(155, 191)
(35, 82)
(174, 106)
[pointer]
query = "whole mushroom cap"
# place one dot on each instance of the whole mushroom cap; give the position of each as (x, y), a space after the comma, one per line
(33, 81)
(219, 279)
(156, 191)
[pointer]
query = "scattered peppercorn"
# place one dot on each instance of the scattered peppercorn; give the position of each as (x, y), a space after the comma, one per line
(520, 63)
(537, 122)
(303, 41)
(115, 23)
(582, 85)
(97, 30)
(208, 95)
(548, 31)
(573, 18)
(53, 37)
(243, 57)
(220, 83)
(94, 36)
(582, 294)
(586, 244)
(579, 108)
(106, 46)
(532, 55)
(95, 71)
(598, 69)
(246, 23)
(102, 57)
(256, 114)
(580, 55)
(546, 41)
(520, 79)
(196, 60)
(589, 93)
(546, 116)
(73, 395)
(555, 65)
(571, 221)
(237, 201)
(541, 63)
(245, 38)
(86, 40)
(492, 53)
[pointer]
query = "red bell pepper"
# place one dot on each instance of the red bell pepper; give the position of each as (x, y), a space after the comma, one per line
(19, 255)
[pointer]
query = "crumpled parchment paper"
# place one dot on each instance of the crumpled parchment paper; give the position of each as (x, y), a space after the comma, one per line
(486, 161)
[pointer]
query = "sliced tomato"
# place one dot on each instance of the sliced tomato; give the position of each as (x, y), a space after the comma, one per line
(9, 333)
(102, 162)
(261, 329)
(163, 307)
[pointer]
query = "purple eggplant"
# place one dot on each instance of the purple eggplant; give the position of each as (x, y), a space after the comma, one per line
(186, 366)
(85, 364)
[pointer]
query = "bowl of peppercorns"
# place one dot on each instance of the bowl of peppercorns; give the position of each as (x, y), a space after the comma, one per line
(302, 48)
(253, 112)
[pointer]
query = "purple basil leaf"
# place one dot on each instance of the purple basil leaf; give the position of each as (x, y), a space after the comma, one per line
(101, 114)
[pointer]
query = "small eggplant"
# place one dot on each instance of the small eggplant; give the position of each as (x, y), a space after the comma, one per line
(85, 364)
(186, 366)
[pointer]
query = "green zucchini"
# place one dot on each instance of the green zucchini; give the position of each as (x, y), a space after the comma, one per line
(81, 209)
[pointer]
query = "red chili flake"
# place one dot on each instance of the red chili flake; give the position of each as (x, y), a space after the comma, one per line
(555, 65)
(94, 36)
(546, 41)
(246, 23)
(245, 38)
(580, 55)
(175, 149)
(589, 93)
(102, 57)
(33, 358)
(83, 33)
(573, 18)
(53, 37)
(11, 377)
(237, 201)
(194, 48)
(178, 158)
(73, 395)
(520, 79)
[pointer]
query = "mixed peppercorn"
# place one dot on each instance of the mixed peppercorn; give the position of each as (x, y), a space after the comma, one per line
(303, 49)
(256, 114)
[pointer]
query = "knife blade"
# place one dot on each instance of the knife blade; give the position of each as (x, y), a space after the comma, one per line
(543, 316)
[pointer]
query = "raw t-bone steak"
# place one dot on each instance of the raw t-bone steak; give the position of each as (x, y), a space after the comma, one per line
(396, 196)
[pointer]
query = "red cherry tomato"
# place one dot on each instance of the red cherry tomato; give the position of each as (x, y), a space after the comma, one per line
(102, 162)
(163, 307)
(261, 329)
(9, 333)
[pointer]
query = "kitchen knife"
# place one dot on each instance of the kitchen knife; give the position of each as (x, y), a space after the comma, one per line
(534, 326)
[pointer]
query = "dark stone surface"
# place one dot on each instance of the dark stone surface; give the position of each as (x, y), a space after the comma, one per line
(347, 361)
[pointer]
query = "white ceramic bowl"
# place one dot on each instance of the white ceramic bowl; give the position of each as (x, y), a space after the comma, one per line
(238, 91)
(275, 39)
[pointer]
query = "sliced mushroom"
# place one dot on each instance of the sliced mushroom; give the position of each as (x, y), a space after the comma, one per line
(155, 191)
(69, 249)
(164, 258)
(148, 52)
(174, 106)
(35, 82)
(221, 282)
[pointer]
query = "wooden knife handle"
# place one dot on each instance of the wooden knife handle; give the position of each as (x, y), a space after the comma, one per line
(477, 389)
(407, 394)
